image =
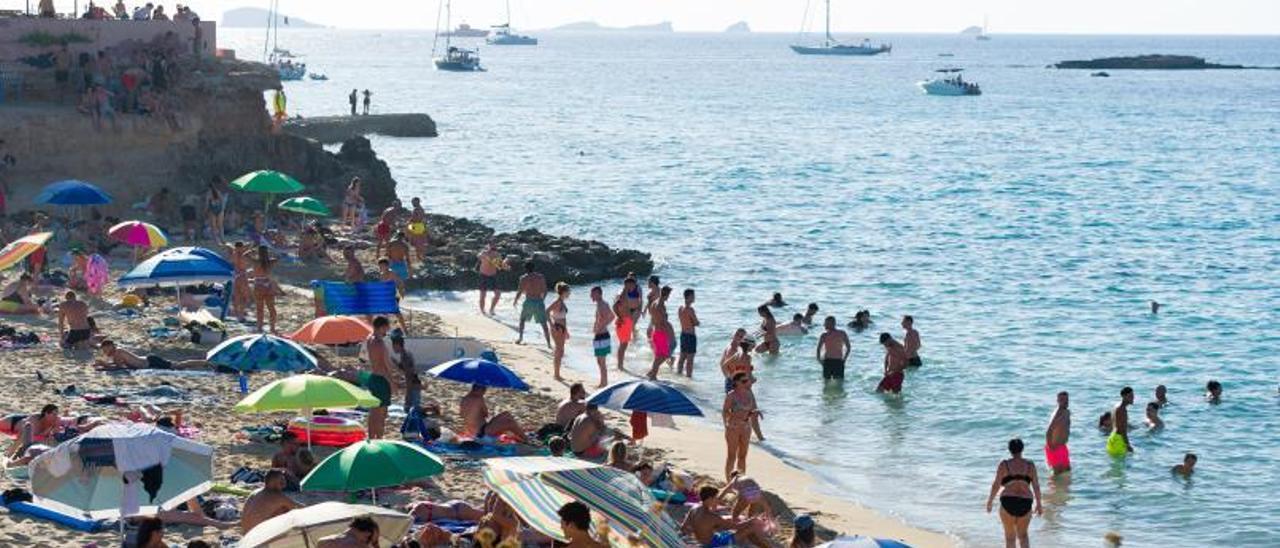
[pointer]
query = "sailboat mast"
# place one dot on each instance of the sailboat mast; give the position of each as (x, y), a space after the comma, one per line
(448, 25)
(275, 36)
(828, 23)
(508, 14)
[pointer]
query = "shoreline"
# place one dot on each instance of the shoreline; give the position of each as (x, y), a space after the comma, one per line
(687, 447)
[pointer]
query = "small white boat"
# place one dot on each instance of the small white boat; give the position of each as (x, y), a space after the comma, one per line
(950, 83)
(502, 35)
(317, 76)
(288, 69)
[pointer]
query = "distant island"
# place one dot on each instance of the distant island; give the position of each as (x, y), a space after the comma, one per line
(740, 26)
(664, 26)
(257, 18)
(973, 30)
(1147, 62)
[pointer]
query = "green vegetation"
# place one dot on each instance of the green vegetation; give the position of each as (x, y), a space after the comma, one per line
(45, 39)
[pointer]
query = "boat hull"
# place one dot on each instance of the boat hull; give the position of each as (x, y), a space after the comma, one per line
(457, 66)
(948, 89)
(841, 50)
(509, 40)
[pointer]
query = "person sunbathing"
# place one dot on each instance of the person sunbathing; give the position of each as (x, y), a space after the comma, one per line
(712, 530)
(588, 433)
(16, 297)
(29, 429)
(454, 510)
(119, 359)
(476, 421)
(500, 522)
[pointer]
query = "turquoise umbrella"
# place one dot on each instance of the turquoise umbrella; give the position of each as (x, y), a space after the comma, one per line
(371, 464)
(60, 479)
(261, 352)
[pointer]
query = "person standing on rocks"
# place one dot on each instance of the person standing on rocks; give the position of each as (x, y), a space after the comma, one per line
(490, 262)
(352, 99)
(367, 94)
(417, 230)
(398, 254)
(533, 286)
(600, 343)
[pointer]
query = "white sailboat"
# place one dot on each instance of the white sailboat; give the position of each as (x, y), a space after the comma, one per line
(453, 58)
(982, 34)
(831, 46)
(282, 60)
(502, 35)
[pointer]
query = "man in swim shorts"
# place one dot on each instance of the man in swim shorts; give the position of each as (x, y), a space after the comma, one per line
(73, 322)
(688, 335)
(833, 349)
(712, 530)
(377, 380)
(600, 342)
(626, 310)
(1056, 454)
(1118, 442)
(911, 342)
(489, 265)
(662, 339)
(895, 363)
(533, 285)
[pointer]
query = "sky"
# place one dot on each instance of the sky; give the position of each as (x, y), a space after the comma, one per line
(946, 16)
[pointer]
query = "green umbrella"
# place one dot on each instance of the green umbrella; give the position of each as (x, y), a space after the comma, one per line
(304, 393)
(371, 464)
(305, 205)
(267, 182)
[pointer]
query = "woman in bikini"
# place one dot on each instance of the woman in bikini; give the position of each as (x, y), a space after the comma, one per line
(559, 314)
(1016, 482)
(351, 202)
(264, 286)
(768, 330)
(214, 205)
(739, 408)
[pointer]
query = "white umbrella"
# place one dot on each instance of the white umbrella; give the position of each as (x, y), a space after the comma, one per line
(301, 528)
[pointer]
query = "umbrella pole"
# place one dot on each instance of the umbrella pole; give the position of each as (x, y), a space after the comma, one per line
(307, 412)
(374, 493)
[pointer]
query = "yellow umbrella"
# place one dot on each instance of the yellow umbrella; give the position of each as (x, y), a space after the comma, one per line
(18, 249)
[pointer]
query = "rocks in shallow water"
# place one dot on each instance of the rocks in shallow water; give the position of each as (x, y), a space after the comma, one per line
(455, 242)
(335, 129)
(1146, 62)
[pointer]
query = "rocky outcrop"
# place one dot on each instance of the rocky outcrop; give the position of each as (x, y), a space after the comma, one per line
(455, 243)
(336, 129)
(1147, 62)
(740, 26)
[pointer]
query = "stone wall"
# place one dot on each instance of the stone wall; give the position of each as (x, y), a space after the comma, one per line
(101, 34)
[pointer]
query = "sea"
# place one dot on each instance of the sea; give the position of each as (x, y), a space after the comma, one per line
(1026, 230)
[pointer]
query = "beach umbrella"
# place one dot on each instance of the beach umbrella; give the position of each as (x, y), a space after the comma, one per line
(138, 234)
(371, 464)
(84, 476)
(304, 393)
(72, 192)
(859, 541)
(536, 487)
(477, 371)
(333, 330)
(645, 396)
(17, 250)
(301, 528)
(305, 205)
(267, 182)
(178, 267)
(261, 352)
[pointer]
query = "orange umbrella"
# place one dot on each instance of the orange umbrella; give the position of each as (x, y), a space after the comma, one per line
(333, 330)
(18, 249)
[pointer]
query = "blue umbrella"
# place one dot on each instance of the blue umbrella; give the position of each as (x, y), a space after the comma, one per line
(261, 353)
(482, 372)
(859, 541)
(72, 192)
(645, 395)
(179, 266)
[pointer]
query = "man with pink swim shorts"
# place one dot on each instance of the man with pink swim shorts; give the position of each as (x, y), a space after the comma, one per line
(1056, 454)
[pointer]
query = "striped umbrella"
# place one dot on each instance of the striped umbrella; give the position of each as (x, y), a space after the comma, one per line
(138, 234)
(646, 396)
(536, 487)
(18, 249)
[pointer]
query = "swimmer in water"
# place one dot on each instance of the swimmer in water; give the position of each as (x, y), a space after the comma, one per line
(1118, 443)
(1104, 422)
(795, 327)
(1162, 395)
(1187, 467)
(1056, 453)
(895, 363)
(861, 320)
(1213, 392)
(776, 301)
(809, 313)
(1155, 307)
(911, 342)
(1153, 417)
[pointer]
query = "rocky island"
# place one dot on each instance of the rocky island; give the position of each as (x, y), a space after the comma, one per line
(336, 129)
(1147, 62)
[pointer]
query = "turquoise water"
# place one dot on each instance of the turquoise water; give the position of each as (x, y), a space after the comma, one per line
(1025, 230)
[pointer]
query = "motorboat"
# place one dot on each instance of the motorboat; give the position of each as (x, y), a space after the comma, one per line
(282, 60)
(455, 59)
(831, 46)
(949, 83)
(288, 69)
(502, 35)
(317, 76)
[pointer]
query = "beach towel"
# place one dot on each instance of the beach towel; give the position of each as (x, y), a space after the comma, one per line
(357, 299)
(639, 425)
(96, 274)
